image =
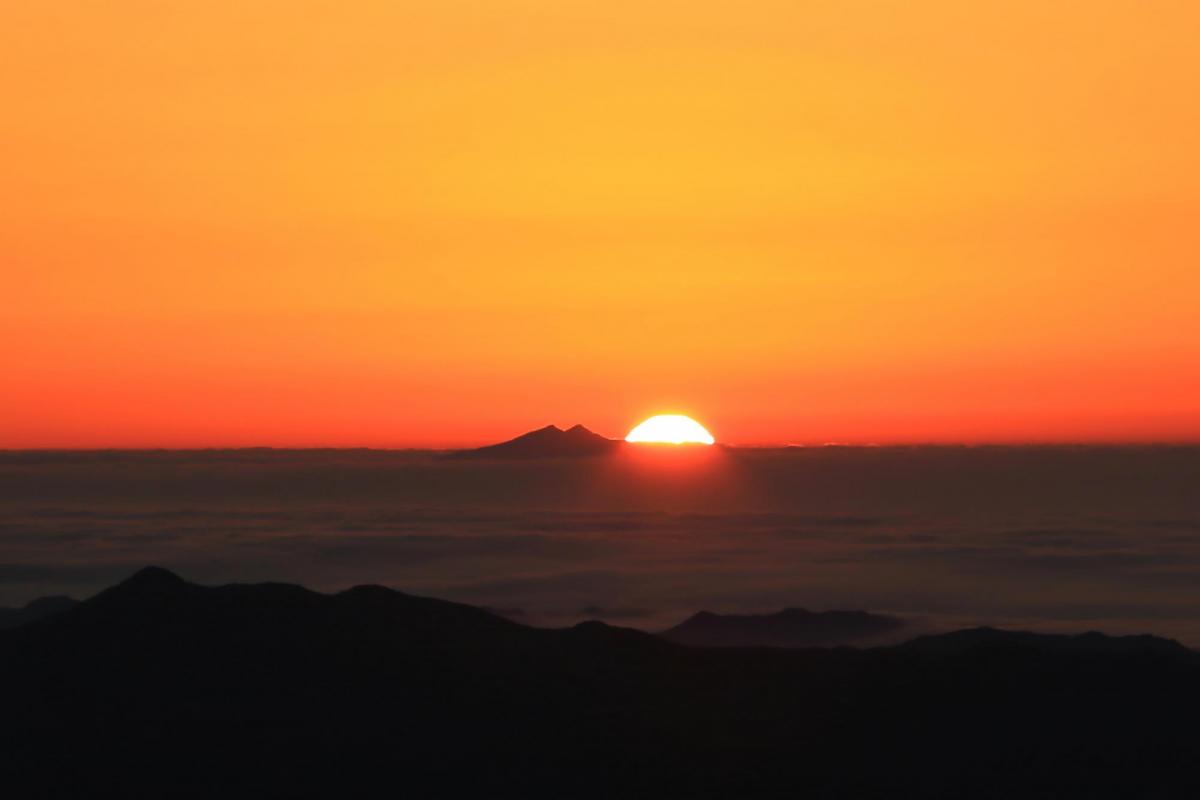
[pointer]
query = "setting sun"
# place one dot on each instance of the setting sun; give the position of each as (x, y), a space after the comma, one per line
(670, 429)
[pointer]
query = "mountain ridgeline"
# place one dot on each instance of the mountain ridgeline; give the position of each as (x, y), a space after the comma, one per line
(792, 627)
(162, 687)
(35, 610)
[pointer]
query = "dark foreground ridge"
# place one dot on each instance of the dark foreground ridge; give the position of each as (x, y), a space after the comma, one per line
(791, 627)
(548, 442)
(159, 687)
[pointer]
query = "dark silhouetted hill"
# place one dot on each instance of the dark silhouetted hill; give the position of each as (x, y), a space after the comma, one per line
(992, 639)
(36, 609)
(548, 442)
(792, 627)
(159, 687)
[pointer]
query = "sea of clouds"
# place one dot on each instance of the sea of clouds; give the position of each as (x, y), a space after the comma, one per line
(1043, 538)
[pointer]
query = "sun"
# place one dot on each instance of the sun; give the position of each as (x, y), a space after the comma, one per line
(670, 429)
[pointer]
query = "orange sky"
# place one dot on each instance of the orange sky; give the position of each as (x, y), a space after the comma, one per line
(432, 222)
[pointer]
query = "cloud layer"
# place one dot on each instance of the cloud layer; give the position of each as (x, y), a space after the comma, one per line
(1014, 551)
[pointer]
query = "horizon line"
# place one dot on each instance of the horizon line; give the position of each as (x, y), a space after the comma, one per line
(1096, 443)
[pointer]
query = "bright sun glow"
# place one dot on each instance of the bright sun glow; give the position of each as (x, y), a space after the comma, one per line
(670, 429)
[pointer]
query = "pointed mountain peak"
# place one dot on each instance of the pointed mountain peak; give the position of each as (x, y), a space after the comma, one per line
(151, 579)
(146, 588)
(157, 575)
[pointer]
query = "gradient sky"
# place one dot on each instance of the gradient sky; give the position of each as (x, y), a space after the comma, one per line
(436, 222)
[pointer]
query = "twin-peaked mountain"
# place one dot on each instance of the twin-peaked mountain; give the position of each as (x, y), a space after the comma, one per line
(548, 442)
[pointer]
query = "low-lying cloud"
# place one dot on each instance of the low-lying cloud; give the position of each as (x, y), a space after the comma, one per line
(1128, 562)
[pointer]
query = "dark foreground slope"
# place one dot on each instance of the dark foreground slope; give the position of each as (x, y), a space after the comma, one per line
(162, 688)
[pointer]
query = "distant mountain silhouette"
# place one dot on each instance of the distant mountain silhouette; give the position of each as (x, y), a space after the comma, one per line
(548, 442)
(791, 627)
(34, 610)
(161, 687)
(1092, 643)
